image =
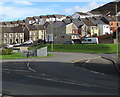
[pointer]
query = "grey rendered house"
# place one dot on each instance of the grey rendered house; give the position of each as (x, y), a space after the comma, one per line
(56, 32)
(59, 32)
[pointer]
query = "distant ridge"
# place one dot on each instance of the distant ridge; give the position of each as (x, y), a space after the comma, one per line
(108, 8)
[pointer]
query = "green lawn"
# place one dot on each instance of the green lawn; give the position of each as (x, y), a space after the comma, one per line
(19, 56)
(82, 48)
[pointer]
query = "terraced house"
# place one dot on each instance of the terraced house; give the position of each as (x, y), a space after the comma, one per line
(36, 32)
(12, 35)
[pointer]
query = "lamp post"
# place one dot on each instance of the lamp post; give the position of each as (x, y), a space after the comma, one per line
(52, 37)
(116, 29)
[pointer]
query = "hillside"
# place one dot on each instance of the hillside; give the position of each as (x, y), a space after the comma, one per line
(109, 7)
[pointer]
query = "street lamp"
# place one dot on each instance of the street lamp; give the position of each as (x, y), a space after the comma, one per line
(116, 29)
(52, 37)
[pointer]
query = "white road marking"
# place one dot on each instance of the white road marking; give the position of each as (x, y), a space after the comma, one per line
(66, 82)
(30, 67)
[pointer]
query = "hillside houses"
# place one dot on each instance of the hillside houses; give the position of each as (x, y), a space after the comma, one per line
(59, 28)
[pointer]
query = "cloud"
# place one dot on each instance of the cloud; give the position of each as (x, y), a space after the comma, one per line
(68, 11)
(13, 13)
(86, 8)
(60, 0)
(24, 2)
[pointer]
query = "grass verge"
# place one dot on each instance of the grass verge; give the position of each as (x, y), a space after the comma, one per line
(82, 48)
(19, 56)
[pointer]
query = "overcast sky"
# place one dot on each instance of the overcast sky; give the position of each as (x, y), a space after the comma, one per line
(21, 9)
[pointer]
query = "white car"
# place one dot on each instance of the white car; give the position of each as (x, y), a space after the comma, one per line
(28, 42)
(17, 44)
(9, 45)
(90, 41)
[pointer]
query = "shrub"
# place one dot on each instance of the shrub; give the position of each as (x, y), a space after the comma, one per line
(7, 51)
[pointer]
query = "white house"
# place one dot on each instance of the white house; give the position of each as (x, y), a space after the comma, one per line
(104, 29)
(77, 15)
(59, 17)
(29, 20)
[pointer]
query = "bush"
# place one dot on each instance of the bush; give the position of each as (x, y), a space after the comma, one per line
(7, 51)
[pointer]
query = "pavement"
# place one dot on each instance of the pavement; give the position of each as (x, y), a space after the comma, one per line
(58, 57)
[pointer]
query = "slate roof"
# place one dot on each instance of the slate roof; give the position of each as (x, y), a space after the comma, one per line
(40, 27)
(81, 13)
(66, 21)
(96, 20)
(110, 18)
(58, 16)
(50, 16)
(7, 30)
(87, 22)
(18, 29)
(43, 16)
(77, 22)
(32, 27)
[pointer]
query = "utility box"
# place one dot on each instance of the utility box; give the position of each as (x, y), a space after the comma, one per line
(42, 52)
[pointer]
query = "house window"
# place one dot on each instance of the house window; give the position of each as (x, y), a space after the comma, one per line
(34, 33)
(5, 40)
(17, 35)
(5, 35)
(34, 38)
(10, 35)
(21, 35)
(30, 33)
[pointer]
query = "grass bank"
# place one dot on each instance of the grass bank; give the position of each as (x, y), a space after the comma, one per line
(82, 48)
(19, 56)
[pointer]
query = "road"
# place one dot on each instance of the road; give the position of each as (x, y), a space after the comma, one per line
(55, 77)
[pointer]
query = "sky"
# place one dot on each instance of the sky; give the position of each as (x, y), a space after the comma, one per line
(18, 10)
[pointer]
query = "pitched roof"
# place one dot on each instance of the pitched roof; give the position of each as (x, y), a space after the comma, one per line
(7, 30)
(95, 12)
(57, 24)
(87, 22)
(32, 27)
(14, 22)
(66, 21)
(59, 16)
(96, 20)
(77, 22)
(43, 16)
(31, 18)
(110, 18)
(17, 29)
(40, 27)
(50, 16)
(3, 23)
(81, 13)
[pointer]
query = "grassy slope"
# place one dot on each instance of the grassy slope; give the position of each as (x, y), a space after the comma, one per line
(82, 48)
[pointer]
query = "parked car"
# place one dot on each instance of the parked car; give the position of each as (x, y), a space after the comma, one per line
(17, 44)
(90, 41)
(28, 42)
(9, 46)
(68, 42)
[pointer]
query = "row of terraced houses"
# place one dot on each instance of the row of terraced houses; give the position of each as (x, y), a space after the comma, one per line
(59, 28)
